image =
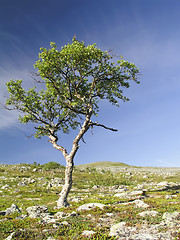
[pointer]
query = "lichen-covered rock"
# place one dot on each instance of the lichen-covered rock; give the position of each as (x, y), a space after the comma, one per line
(36, 211)
(140, 204)
(171, 216)
(144, 236)
(148, 213)
(121, 230)
(65, 223)
(14, 208)
(90, 206)
(87, 233)
(40, 212)
(121, 195)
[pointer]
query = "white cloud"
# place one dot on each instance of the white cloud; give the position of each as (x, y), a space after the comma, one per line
(8, 119)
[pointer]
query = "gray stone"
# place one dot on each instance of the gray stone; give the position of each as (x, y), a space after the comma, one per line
(22, 216)
(73, 214)
(140, 204)
(55, 183)
(87, 233)
(10, 236)
(5, 186)
(22, 184)
(121, 195)
(65, 223)
(31, 180)
(60, 215)
(36, 211)
(120, 230)
(144, 236)
(114, 230)
(90, 206)
(14, 208)
(75, 199)
(171, 216)
(137, 193)
(148, 213)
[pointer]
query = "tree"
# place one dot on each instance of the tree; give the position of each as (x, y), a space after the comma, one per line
(74, 80)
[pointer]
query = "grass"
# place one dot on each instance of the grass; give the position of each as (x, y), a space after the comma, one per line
(98, 220)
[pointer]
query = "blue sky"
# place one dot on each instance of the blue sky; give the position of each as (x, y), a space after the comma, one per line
(146, 33)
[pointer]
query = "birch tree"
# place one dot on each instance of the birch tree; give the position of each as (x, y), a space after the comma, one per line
(73, 82)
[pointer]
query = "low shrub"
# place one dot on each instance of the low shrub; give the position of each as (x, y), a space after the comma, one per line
(52, 165)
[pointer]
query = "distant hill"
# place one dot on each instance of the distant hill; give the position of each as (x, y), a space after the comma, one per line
(102, 164)
(118, 166)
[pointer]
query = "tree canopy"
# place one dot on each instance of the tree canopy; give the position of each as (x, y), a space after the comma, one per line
(75, 79)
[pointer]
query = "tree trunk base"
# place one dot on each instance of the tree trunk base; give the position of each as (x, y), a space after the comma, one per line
(62, 203)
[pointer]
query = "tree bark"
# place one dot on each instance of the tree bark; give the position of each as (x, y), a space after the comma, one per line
(62, 201)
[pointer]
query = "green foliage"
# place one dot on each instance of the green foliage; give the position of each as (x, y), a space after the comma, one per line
(74, 80)
(52, 165)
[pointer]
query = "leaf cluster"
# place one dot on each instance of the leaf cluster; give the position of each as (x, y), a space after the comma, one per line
(75, 79)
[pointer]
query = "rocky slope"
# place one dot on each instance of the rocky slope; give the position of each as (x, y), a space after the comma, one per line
(146, 207)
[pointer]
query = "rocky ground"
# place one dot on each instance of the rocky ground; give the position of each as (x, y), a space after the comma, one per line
(111, 202)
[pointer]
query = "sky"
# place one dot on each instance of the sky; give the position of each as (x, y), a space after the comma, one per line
(144, 32)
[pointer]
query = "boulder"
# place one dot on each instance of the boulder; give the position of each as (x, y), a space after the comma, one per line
(120, 230)
(65, 223)
(121, 195)
(14, 208)
(148, 213)
(140, 204)
(90, 206)
(171, 216)
(137, 193)
(87, 233)
(144, 236)
(36, 211)
(60, 215)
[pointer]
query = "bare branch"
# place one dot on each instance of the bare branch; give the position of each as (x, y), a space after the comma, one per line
(101, 125)
(83, 140)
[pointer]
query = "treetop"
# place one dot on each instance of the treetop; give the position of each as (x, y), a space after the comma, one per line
(75, 79)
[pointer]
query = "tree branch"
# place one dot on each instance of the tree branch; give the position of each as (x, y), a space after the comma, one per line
(101, 125)
(60, 96)
(53, 139)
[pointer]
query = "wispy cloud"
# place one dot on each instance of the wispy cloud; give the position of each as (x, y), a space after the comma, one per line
(8, 119)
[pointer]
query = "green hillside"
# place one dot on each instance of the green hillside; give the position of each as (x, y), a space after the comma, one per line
(103, 164)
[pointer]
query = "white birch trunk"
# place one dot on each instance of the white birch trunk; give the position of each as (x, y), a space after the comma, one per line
(62, 201)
